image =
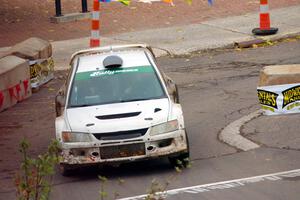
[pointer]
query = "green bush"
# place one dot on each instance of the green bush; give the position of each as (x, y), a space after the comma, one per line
(33, 181)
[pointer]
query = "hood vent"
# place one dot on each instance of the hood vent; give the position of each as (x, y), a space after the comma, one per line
(157, 110)
(117, 116)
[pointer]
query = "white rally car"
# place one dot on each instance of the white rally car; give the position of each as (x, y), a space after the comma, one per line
(118, 106)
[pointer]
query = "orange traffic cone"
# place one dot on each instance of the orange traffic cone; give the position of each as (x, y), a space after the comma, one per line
(265, 27)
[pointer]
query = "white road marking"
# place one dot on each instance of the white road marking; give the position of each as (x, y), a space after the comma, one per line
(224, 184)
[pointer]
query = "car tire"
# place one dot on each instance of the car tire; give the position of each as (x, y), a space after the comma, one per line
(65, 170)
(183, 159)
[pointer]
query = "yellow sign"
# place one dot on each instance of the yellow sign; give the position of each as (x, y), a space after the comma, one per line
(41, 68)
(291, 95)
(34, 70)
(267, 98)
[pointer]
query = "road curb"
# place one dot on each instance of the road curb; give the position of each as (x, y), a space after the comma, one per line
(231, 133)
(260, 40)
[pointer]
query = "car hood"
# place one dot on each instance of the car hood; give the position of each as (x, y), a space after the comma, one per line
(118, 116)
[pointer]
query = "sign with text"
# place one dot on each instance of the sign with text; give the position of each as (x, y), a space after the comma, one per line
(279, 99)
(41, 71)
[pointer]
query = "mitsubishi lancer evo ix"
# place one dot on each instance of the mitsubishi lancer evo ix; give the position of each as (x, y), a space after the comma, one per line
(118, 106)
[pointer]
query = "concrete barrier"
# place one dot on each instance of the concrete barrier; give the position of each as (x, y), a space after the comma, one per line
(14, 81)
(24, 66)
(279, 75)
(3, 54)
(32, 49)
(279, 89)
(38, 52)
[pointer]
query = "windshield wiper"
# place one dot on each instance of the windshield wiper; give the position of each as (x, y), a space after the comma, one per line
(137, 99)
(82, 105)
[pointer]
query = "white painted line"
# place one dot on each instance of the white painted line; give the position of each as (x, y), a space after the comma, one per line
(223, 185)
(231, 133)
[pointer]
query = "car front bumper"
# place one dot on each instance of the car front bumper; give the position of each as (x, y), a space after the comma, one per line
(124, 151)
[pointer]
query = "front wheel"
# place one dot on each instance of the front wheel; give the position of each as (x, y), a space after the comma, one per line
(65, 170)
(183, 159)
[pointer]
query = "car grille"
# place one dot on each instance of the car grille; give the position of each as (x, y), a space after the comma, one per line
(121, 135)
(121, 151)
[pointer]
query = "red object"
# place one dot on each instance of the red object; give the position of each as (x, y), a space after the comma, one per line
(95, 25)
(96, 5)
(265, 21)
(26, 84)
(1, 99)
(12, 93)
(94, 43)
(264, 15)
(264, 2)
(18, 89)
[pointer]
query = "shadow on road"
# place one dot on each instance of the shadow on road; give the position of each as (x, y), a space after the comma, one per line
(125, 170)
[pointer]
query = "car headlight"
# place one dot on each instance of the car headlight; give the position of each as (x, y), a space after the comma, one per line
(164, 128)
(75, 137)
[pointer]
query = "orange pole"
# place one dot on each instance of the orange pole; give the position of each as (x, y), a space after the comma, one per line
(95, 25)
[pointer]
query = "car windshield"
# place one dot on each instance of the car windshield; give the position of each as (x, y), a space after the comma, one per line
(115, 86)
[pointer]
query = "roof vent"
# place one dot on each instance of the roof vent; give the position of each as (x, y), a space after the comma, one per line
(112, 62)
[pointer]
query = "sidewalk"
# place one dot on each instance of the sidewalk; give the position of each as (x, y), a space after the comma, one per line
(20, 20)
(188, 38)
(184, 39)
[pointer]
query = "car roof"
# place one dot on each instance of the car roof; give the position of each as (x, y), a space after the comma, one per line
(131, 58)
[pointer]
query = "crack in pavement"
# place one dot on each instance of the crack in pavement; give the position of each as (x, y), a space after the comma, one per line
(239, 111)
(281, 148)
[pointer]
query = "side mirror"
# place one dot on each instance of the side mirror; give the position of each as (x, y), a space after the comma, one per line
(172, 89)
(59, 102)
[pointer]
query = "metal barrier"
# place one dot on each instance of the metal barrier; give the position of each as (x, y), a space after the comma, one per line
(58, 12)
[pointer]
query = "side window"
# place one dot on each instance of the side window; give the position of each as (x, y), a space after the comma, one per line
(67, 85)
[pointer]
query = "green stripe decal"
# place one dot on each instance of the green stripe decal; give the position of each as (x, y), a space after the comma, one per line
(268, 108)
(109, 72)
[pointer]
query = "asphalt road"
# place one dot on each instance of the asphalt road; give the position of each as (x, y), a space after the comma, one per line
(216, 88)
